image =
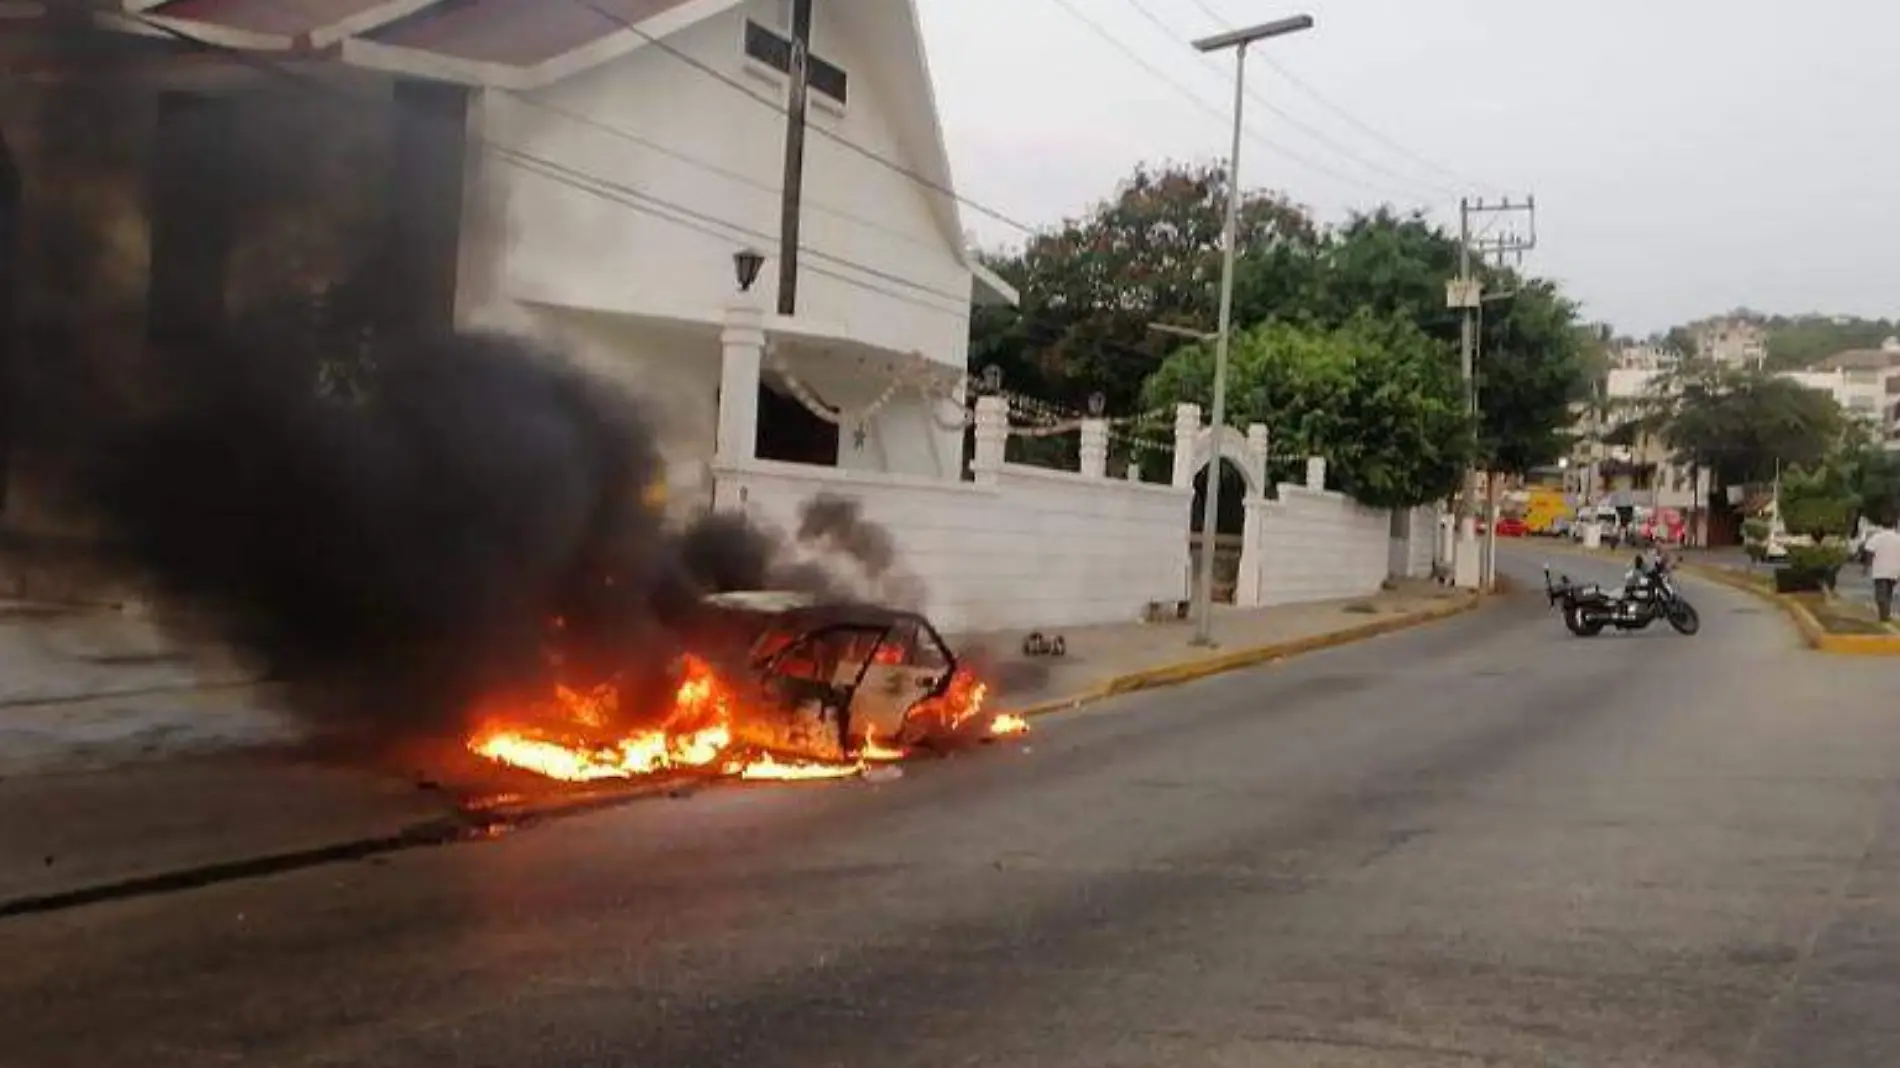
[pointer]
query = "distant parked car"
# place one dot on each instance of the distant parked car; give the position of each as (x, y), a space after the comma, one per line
(1512, 527)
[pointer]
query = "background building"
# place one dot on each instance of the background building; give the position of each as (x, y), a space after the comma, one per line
(1733, 340)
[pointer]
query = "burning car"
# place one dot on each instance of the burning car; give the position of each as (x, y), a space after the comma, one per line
(778, 685)
(832, 681)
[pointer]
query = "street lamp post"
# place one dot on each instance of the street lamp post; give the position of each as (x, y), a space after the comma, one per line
(1238, 40)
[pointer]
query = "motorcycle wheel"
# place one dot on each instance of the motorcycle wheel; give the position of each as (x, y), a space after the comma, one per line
(1683, 617)
(1574, 620)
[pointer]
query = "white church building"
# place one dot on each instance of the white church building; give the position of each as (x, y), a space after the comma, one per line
(672, 115)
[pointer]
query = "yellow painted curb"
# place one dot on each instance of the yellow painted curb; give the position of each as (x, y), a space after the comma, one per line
(1202, 667)
(1811, 629)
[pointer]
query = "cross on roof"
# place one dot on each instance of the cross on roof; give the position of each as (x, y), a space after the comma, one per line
(774, 49)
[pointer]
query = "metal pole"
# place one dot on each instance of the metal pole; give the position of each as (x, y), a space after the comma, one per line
(1230, 237)
(1490, 574)
(1468, 340)
(1488, 559)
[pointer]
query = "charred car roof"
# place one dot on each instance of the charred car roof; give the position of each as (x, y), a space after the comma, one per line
(805, 611)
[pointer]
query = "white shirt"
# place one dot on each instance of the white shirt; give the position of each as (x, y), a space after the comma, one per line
(1884, 546)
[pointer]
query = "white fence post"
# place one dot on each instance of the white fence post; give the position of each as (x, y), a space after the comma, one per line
(1258, 450)
(1316, 472)
(992, 434)
(1187, 431)
(1094, 448)
(1247, 591)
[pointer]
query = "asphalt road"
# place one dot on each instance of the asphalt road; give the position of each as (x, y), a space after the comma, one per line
(1483, 842)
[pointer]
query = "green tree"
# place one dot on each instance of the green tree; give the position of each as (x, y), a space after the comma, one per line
(1743, 424)
(1864, 472)
(1819, 502)
(1874, 480)
(1594, 352)
(1377, 397)
(1532, 349)
(1803, 340)
(1151, 253)
(1531, 370)
(1387, 264)
(1681, 341)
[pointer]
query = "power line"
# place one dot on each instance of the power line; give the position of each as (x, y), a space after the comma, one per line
(1295, 121)
(728, 173)
(831, 135)
(1320, 98)
(641, 197)
(1200, 102)
(1365, 128)
(625, 196)
(1219, 19)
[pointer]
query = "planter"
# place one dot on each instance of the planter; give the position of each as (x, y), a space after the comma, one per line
(1801, 580)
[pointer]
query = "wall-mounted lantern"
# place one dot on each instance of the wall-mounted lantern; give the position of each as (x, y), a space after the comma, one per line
(746, 265)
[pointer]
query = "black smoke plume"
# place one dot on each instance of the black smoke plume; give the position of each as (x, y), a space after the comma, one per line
(398, 555)
(396, 524)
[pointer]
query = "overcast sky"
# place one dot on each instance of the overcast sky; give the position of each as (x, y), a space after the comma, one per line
(1688, 156)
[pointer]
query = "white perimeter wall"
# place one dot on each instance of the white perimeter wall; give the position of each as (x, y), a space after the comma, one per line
(1321, 546)
(1037, 549)
(1421, 549)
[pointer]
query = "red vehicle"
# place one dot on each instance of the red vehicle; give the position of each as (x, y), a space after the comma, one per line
(1510, 527)
(1666, 527)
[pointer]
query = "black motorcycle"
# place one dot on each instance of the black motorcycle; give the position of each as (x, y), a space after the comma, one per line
(1649, 593)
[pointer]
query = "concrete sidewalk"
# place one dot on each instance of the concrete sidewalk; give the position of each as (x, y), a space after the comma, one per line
(1099, 657)
(118, 730)
(90, 687)
(52, 653)
(126, 795)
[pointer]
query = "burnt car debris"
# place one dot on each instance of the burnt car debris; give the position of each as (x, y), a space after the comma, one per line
(767, 685)
(828, 681)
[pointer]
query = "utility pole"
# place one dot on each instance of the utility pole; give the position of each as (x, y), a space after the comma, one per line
(1467, 295)
(795, 118)
(1463, 295)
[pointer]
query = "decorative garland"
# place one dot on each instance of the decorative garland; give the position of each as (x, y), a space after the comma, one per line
(837, 415)
(1031, 417)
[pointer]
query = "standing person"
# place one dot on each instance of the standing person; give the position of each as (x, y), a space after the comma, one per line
(1881, 544)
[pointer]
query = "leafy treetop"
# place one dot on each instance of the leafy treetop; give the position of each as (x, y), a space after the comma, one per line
(1376, 396)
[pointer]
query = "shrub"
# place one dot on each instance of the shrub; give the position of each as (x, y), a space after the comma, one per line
(1755, 539)
(1819, 516)
(1811, 567)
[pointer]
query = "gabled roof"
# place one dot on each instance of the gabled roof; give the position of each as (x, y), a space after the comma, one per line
(522, 44)
(274, 25)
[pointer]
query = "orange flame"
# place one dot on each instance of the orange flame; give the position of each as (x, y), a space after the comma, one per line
(1008, 723)
(877, 751)
(696, 735)
(955, 708)
(767, 769)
